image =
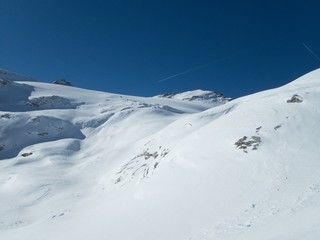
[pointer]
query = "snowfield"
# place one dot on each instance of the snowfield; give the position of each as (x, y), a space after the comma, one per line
(80, 164)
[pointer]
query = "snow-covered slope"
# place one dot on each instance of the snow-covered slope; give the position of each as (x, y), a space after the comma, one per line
(79, 164)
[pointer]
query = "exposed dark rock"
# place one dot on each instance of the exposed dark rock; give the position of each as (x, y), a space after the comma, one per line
(277, 127)
(62, 82)
(142, 165)
(51, 102)
(205, 96)
(155, 165)
(245, 144)
(26, 154)
(4, 82)
(209, 96)
(148, 155)
(6, 116)
(295, 99)
(43, 134)
(168, 95)
(258, 129)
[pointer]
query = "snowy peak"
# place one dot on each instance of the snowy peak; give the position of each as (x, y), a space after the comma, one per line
(208, 97)
(12, 76)
(62, 82)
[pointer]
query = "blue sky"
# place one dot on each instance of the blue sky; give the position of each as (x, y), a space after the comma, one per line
(128, 46)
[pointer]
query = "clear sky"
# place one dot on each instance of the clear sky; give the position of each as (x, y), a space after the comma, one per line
(130, 46)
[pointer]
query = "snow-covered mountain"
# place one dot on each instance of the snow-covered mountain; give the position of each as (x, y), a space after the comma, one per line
(80, 164)
(12, 76)
(208, 97)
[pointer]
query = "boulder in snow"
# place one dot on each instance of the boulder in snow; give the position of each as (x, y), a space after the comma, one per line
(295, 99)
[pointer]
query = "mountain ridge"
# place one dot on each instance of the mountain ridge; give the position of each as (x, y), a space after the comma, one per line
(210, 97)
(12, 76)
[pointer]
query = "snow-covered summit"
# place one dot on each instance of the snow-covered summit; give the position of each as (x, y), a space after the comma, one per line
(80, 164)
(209, 97)
(62, 82)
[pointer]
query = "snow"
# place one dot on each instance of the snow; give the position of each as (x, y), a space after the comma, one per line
(210, 98)
(106, 166)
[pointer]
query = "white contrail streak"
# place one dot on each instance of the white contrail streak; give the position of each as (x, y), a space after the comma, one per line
(197, 67)
(312, 52)
(207, 64)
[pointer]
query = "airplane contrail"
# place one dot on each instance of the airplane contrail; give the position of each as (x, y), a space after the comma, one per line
(312, 52)
(202, 66)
